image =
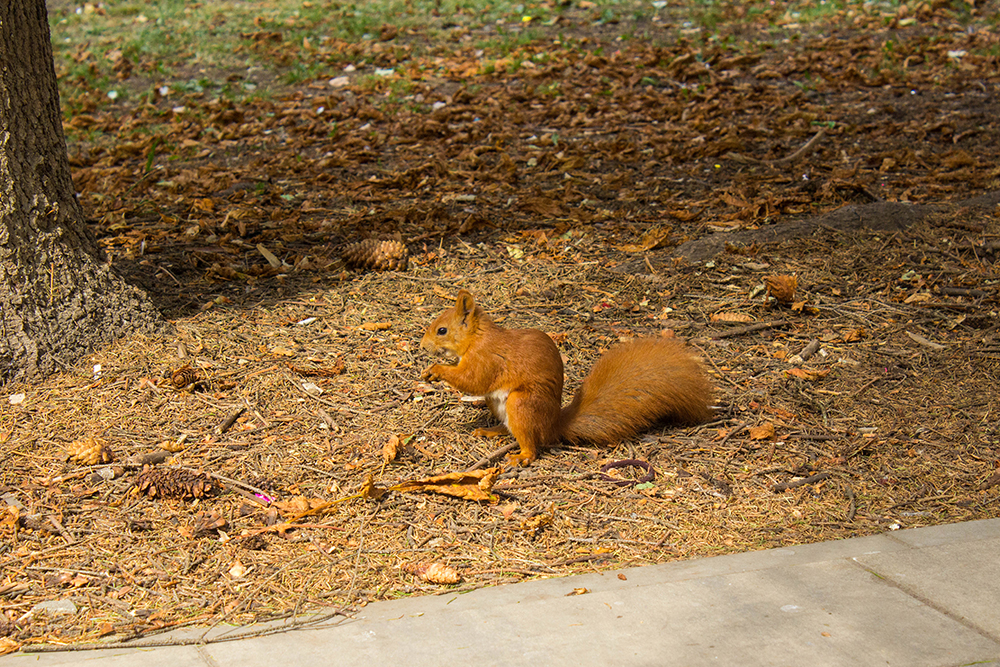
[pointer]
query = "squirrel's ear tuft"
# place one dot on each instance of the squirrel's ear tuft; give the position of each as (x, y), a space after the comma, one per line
(465, 304)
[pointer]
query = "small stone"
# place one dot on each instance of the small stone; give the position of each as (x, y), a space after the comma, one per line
(54, 607)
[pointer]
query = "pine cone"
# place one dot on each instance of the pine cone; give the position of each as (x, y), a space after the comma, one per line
(89, 452)
(435, 573)
(377, 255)
(174, 483)
(185, 376)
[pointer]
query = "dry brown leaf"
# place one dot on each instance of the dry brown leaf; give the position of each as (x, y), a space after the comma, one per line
(652, 239)
(779, 412)
(808, 373)
(89, 452)
(434, 573)
(536, 522)
(507, 511)
(390, 450)
(298, 504)
(578, 591)
(735, 200)
(172, 446)
(370, 491)
(395, 445)
(852, 335)
(207, 522)
(375, 326)
(472, 485)
(782, 288)
(9, 519)
(763, 432)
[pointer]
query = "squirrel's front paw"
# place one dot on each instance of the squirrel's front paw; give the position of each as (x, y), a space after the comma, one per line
(431, 374)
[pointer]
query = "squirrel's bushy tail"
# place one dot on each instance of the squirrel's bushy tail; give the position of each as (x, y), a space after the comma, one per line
(634, 386)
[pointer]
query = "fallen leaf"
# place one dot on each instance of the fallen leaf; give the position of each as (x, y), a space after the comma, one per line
(269, 256)
(536, 522)
(763, 432)
(472, 485)
(653, 238)
(172, 446)
(852, 335)
(370, 491)
(89, 451)
(782, 288)
(390, 450)
(918, 297)
(507, 511)
(808, 373)
(298, 505)
(375, 326)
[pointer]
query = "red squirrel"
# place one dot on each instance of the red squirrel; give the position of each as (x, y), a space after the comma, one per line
(520, 372)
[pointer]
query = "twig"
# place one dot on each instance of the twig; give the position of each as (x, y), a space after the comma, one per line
(784, 486)
(852, 508)
(808, 351)
(806, 148)
(750, 328)
(230, 420)
(235, 483)
(917, 338)
(492, 456)
(718, 371)
(62, 531)
(739, 429)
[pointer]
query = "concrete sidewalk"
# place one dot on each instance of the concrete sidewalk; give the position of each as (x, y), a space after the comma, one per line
(915, 598)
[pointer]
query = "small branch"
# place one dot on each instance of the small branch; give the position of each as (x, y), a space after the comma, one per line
(917, 338)
(962, 291)
(852, 508)
(229, 421)
(809, 350)
(750, 328)
(784, 486)
(492, 456)
(806, 149)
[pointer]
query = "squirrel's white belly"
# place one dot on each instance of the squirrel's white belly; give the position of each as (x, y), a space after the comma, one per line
(497, 400)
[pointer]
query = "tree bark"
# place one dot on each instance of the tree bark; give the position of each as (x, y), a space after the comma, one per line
(58, 300)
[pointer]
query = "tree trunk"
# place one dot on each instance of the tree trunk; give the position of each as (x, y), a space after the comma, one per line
(58, 300)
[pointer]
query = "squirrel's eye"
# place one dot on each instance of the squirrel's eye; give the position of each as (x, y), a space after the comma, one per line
(442, 331)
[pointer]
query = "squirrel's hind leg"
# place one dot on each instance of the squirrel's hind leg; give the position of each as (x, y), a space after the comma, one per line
(533, 421)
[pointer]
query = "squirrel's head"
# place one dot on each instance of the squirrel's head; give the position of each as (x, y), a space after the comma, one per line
(452, 332)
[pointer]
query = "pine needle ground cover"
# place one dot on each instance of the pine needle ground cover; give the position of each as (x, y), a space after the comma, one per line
(805, 192)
